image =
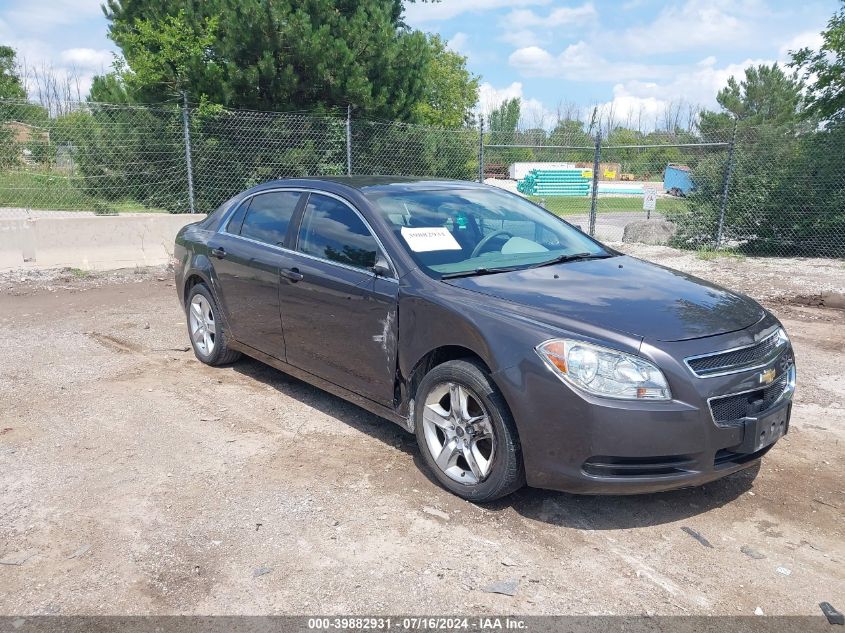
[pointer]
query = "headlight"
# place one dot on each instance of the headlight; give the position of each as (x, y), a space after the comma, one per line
(604, 372)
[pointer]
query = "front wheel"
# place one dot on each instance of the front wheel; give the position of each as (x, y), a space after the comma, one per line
(466, 433)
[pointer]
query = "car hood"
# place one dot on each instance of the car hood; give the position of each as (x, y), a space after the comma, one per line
(623, 294)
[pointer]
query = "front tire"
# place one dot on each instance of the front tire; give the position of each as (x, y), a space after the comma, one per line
(205, 328)
(466, 434)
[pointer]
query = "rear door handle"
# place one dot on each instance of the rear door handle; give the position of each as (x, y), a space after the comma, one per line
(219, 253)
(291, 273)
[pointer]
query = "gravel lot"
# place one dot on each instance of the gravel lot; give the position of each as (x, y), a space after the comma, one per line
(136, 480)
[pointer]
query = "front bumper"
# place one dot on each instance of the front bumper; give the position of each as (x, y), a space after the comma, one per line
(578, 443)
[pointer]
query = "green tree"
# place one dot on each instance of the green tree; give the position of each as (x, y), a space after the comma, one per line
(11, 86)
(826, 95)
(503, 121)
(783, 191)
(766, 94)
(450, 91)
(569, 132)
(165, 54)
(502, 124)
(110, 88)
(280, 55)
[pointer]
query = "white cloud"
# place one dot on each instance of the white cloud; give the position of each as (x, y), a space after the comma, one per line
(490, 97)
(30, 16)
(694, 25)
(692, 87)
(533, 113)
(87, 58)
(458, 43)
(809, 39)
(533, 60)
(561, 16)
(580, 62)
(436, 11)
(525, 27)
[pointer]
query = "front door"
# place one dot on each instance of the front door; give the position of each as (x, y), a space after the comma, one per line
(339, 317)
(247, 258)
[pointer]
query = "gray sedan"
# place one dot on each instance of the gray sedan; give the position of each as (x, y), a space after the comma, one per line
(517, 348)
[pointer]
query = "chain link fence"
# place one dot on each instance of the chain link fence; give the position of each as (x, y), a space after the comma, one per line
(757, 190)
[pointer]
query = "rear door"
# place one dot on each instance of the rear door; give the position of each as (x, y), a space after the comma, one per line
(340, 318)
(247, 256)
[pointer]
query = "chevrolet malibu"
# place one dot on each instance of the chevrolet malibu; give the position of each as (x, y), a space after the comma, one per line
(518, 349)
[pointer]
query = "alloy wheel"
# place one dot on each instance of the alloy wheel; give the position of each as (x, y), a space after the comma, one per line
(459, 433)
(203, 328)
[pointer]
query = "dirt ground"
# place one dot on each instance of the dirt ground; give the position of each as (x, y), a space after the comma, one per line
(136, 480)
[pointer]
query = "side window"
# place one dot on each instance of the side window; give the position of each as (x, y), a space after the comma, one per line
(332, 230)
(269, 215)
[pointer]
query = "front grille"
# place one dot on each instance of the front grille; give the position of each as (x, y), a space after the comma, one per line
(735, 407)
(737, 359)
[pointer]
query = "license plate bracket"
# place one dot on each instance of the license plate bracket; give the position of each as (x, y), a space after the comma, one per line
(764, 431)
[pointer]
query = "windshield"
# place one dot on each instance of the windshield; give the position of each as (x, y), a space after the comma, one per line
(452, 232)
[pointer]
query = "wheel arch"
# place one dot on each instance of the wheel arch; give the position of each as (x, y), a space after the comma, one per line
(191, 280)
(201, 273)
(431, 359)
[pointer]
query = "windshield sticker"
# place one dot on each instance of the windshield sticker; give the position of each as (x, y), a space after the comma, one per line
(430, 238)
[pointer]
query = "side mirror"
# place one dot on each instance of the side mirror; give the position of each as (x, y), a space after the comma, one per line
(382, 268)
(578, 226)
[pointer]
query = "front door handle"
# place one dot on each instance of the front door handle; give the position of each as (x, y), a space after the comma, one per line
(219, 253)
(291, 273)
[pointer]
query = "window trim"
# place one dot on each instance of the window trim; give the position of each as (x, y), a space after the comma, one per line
(296, 222)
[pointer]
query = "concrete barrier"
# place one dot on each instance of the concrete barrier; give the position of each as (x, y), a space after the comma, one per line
(90, 242)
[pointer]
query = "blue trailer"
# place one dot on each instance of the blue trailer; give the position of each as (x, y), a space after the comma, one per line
(676, 178)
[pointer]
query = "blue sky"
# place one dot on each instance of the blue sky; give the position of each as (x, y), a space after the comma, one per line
(638, 55)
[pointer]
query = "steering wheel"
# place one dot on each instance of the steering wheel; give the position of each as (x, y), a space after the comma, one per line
(486, 239)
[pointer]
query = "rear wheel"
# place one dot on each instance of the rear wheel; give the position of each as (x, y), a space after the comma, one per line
(208, 336)
(466, 434)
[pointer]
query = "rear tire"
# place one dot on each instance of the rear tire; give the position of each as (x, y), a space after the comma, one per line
(466, 434)
(206, 329)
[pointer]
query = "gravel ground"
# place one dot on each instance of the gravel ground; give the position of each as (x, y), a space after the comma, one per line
(137, 480)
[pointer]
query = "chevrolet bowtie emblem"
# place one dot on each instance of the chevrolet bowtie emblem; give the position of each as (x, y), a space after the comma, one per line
(768, 376)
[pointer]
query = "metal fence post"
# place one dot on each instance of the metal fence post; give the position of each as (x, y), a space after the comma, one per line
(481, 151)
(595, 192)
(186, 131)
(348, 140)
(728, 173)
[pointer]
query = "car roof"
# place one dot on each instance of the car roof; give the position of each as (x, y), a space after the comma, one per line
(369, 184)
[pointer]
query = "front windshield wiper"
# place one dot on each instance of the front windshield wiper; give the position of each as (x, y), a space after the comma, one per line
(478, 271)
(571, 258)
(557, 260)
